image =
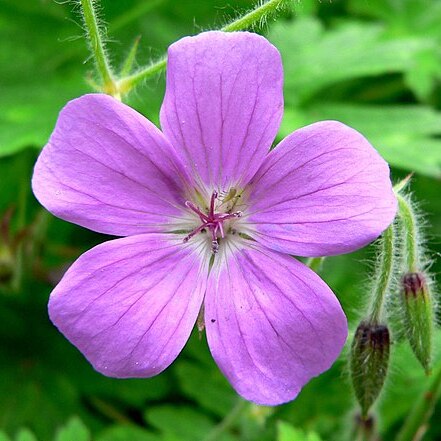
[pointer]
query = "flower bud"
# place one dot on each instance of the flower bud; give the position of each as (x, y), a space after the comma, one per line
(369, 362)
(418, 316)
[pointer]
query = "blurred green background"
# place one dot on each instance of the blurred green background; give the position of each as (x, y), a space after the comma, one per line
(373, 64)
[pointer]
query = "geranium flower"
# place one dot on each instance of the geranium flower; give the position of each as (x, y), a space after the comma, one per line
(210, 218)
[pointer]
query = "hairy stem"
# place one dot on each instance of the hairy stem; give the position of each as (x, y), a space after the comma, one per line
(252, 18)
(109, 411)
(256, 16)
(227, 422)
(416, 423)
(97, 47)
(384, 274)
(410, 233)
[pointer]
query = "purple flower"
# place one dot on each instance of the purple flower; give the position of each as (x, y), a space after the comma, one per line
(209, 218)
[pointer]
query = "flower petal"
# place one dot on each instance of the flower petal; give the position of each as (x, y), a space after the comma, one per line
(272, 324)
(323, 191)
(223, 104)
(109, 169)
(129, 305)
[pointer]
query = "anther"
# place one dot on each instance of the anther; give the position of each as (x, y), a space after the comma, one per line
(211, 221)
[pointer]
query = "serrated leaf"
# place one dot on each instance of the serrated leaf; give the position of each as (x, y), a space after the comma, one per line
(207, 387)
(314, 58)
(133, 392)
(29, 112)
(286, 432)
(126, 433)
(74, 430)
(403, 17)
(422, 77)
(25, 435)
(182, 423)
(35, 80)
(406, 136)
(407, 381)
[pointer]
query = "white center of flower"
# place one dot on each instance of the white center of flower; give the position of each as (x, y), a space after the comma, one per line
(213, 220)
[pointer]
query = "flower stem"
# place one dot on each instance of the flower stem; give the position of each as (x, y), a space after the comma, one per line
(109, 411)
(410, 233)
(130, 59)
(255, 17)
(315, 263)
(385, 268)
(97, 47)
(416, 423)
(227, 422)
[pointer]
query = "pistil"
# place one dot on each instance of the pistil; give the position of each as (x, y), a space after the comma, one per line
(212, 221)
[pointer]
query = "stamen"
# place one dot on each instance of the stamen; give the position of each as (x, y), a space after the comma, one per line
(230, 215)
(197, 210)
(221, 229)
(211, 221)
(194, 232)
(213, 198)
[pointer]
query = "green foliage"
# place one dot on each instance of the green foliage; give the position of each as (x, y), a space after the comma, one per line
(206, 386)
(406, 136)
(74, 430)
(286, 432)
(323, 70)
(34, 73)
(25, 435)
(125, 433)
(315, 58)
(182, 424)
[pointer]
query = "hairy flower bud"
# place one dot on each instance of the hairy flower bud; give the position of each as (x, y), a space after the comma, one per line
(369, 362)
(418, 316)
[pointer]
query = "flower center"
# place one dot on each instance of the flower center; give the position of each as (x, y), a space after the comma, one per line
(211, 221)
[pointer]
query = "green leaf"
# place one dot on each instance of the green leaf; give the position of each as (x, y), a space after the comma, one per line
(29, 111)
(126, 433)
(206, 386)
(74, 430)
(4, 437)
(132, 392)
(406, 136)
(406, 382)
(417, 17)
(324, 401)
(25, 435)
(38, 72)
(181, 423)
(32, 383)
(314, 59)
(286, 432)
(422, 77)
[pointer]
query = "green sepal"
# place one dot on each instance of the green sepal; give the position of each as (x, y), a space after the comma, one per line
(369, 363)
(418, 316)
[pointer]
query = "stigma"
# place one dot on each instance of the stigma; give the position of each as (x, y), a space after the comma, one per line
(211, 221)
